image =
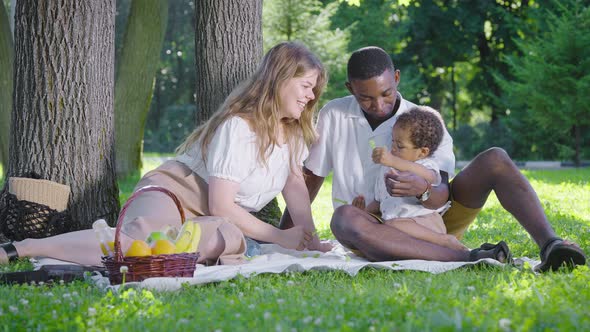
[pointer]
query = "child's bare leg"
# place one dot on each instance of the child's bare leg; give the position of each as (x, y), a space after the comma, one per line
(418, 231)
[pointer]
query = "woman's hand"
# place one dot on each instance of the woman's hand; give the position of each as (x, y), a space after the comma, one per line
(295, 238)
(323, 246)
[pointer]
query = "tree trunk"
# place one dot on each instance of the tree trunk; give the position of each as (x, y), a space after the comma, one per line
(228, 47)
(62, 120)
(136, 72)
(6, 61)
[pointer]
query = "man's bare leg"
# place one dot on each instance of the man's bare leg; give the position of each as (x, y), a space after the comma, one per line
(378, 242)
(494, 170)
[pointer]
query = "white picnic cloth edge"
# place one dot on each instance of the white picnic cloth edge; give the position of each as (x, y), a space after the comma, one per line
(275, 259)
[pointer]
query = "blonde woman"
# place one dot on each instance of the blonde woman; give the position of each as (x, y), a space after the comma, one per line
(247, 153)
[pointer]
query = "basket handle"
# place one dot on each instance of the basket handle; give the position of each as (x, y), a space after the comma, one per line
(118, 251)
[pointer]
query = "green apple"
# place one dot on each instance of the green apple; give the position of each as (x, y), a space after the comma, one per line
(155, 236)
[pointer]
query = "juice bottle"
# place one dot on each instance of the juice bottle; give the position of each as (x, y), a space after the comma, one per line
(105, 237)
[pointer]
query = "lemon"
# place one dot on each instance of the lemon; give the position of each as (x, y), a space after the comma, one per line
(163, 247)
(138, 248)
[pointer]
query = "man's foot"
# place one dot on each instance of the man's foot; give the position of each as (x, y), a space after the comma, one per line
(499, 252)
(7, 253)
(557, 253)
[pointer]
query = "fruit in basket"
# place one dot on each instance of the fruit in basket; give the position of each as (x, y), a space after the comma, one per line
(104, 250)
(154, 237)
(138, 248)
(171, 232)
(163, 247)
(188, 237)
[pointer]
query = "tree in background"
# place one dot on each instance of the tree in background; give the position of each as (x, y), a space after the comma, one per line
(552, 81)
(172, 113)
(6, 61)
(63, 119)
(445, 39)
(139, 59)
(309, 22)
(228, 47)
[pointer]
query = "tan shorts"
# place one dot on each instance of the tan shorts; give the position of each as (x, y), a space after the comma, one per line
(156, 209)
(152, 211)
(458, 218)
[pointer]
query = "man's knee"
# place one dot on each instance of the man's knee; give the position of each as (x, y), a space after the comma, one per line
(496, 160)
(345, 222)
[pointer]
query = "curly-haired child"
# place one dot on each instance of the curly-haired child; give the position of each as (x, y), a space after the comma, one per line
(417, 133)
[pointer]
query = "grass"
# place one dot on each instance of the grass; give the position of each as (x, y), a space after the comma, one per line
(484, 298)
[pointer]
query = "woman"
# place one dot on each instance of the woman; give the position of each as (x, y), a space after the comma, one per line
(251, 149)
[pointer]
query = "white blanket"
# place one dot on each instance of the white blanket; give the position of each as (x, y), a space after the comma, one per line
(275, 259)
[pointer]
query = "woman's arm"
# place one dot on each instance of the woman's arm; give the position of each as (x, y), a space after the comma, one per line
(297, 199)
(221, 203)
(384, 157)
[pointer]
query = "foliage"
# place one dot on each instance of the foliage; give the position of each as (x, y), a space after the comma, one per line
(551, 84)
(309, 22)
(173, 102)
(171, 128)
(483, 298)
(470, 140)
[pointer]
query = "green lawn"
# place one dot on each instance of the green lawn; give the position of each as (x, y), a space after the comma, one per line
(476, 299)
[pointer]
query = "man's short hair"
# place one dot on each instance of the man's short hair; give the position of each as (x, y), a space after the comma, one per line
(368, 62)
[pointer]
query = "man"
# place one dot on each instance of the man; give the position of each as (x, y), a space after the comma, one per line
(348, 129)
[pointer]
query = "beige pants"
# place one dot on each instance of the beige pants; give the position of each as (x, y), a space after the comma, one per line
(153, 211)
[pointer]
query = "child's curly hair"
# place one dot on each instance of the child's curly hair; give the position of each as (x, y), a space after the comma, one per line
(425, 125)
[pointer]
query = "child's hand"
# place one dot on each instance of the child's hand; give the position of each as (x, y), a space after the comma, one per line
(359, 202)
(382, 156)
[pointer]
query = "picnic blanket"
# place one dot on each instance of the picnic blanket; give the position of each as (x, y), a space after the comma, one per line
(276, 259)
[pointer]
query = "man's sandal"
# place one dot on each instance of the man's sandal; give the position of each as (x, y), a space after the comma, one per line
(557, 253)
(10, 251)
(497, 249)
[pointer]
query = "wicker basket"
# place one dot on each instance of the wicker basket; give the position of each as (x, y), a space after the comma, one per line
(140, 268)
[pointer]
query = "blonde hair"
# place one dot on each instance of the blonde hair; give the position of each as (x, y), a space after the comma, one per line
(257, 101)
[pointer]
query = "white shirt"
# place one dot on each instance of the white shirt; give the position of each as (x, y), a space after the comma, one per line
(343, 147)
(402, 207)
(233, 155)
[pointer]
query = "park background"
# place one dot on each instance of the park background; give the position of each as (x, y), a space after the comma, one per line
(513, 74)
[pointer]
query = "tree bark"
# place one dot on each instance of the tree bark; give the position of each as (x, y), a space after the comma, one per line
(63, 119)
(228, 47)
(136, 74)
(6, 62)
